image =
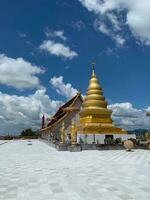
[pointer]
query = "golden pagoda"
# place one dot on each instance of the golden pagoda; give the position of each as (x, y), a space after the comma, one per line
(95, 117)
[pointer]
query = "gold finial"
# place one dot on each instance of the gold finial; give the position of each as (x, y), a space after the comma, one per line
(93, 68)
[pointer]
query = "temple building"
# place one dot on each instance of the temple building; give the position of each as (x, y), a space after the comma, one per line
(64, 116)
(85, 120)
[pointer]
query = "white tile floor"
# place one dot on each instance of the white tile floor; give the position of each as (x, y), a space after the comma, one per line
(3, 141)
(39, 172)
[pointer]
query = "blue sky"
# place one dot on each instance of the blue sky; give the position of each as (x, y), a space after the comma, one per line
(46, 52)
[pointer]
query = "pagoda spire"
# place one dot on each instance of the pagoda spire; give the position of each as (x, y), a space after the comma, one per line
(94, 95)
(93, 68)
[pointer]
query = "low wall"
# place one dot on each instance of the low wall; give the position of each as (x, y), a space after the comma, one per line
(100, 138)
(84, 147)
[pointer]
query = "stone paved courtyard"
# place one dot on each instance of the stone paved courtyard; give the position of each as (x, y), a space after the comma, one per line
(39, 172)
(2, 141)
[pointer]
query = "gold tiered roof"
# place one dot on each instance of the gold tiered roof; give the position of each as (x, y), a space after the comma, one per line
(95, 117)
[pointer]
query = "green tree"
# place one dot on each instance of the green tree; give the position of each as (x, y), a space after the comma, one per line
(28, 133)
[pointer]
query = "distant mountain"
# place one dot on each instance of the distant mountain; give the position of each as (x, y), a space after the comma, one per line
(138, 131)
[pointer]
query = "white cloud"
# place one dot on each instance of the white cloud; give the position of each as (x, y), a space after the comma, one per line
(22, 35)
(137, 17)
(19, 73)
(119, 40)
(21, 112)
(102, 27)
(110, 51)
(59, 34)
(128, 117)
(124, 109)
(109, 30)
(63, 89)
(78, 25)
(58, 49)
(148, 109)
(114, 20)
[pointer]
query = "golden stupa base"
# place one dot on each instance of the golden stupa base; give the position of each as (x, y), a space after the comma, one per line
(95, 128)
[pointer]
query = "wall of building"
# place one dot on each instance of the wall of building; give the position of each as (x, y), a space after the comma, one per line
(100, 138)
(55, 130)
(125, 136)
(91, 138)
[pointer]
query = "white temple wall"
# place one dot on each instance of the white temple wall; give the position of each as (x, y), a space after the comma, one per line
(124, 136)
(91, 138)
(100, 138)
